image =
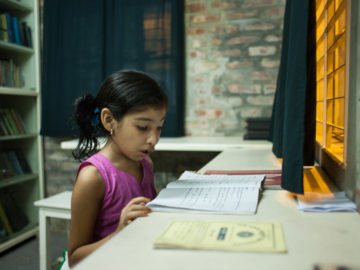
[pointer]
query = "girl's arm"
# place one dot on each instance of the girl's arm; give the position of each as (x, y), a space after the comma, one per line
(85, 203)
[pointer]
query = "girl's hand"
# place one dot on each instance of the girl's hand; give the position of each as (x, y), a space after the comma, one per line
(135, 208)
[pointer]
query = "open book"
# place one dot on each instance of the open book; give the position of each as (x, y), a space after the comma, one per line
(226, 194)
(272, 177)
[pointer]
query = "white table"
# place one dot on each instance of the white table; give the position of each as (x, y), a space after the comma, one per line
(57, 206)
(332, 238)
(193, 144)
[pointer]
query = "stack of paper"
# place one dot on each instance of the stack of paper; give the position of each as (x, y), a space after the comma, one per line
(229, 236)
(339, 202)
(226, 194)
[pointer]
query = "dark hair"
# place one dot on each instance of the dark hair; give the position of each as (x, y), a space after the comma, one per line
(122, 92)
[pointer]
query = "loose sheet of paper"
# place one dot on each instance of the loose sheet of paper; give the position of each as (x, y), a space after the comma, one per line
(211, 193)
(230, 236)
(339, 202)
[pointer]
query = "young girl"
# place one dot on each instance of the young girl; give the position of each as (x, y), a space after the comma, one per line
(114, 184)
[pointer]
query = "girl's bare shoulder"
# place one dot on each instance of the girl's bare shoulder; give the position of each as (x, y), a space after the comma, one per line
(89, 181)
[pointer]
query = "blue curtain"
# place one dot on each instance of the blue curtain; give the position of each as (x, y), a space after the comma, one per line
(293, 117)
(85, 41)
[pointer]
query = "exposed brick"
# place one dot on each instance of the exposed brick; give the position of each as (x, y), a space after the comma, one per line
(241, 47)
(195, 7)
(242, 40)
(251, 112)
(260, 76)
(216, 90)
(275, 13)
(202, 18)
(202, 92)
(273, 38)
(199, 79)
(198, 54)
(238, 77)
(258, 3)
(230, 29)
(262, 50)
(205, 66)
(259, 26)
(234, 101)
(201, 101)
(241, 15)
(245, 89)
(210, 113)
(239, 64)
(195, 31)
(222, 5)
(200, 112)
(227, 53)
(198, 43)
(216, 41)
(270, 63)
(269, 89)
(216, 29)
(260, 100)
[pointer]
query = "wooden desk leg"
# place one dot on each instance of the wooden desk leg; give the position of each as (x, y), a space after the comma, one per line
(44, 241)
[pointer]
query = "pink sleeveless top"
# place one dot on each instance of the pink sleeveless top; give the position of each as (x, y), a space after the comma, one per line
(120, 188)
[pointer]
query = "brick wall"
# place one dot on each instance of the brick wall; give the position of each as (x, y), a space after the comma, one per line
(232, 59)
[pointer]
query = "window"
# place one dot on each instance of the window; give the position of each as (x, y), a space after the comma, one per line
(331, 78)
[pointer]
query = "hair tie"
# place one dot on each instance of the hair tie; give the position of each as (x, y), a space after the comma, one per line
(95, 121)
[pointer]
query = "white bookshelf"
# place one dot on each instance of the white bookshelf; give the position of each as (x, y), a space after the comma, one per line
(26, 188)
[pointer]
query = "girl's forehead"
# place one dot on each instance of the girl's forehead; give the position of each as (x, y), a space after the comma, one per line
(153, 113)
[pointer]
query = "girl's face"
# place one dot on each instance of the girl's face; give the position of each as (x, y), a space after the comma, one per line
(137, 133)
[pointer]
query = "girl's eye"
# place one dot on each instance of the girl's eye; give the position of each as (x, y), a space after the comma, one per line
(159, 128)
(141, 128)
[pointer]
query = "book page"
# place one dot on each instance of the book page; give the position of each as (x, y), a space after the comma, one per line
(230, 200)
(194, 180)
(230, 236)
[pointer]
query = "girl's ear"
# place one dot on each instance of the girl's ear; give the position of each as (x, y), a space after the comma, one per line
(107, 119)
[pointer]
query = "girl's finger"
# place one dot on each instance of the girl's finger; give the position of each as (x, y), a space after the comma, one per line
(138, 200)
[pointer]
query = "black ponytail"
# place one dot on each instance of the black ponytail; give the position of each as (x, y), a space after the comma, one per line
(84, 115)
(122, 92)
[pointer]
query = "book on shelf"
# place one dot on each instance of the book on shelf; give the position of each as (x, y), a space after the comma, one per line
(5, 222)
(4, 28)
(14, 213)
(3, 130)
(11, 122)
(13, 163)
(3, 168)
(272, 177)
(3, 232)
(10, 73)
(9, 170)
(14, 31)
(25, 167)
(26, 32)
(9, 27)
(15, 28)
(225, 194)
(17, 120)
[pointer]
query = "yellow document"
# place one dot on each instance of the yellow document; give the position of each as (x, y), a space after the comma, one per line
(230, 236)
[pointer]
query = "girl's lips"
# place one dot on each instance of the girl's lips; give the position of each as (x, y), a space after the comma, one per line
(146, 152)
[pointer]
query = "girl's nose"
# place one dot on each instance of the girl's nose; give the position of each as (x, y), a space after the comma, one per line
(153, 138)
